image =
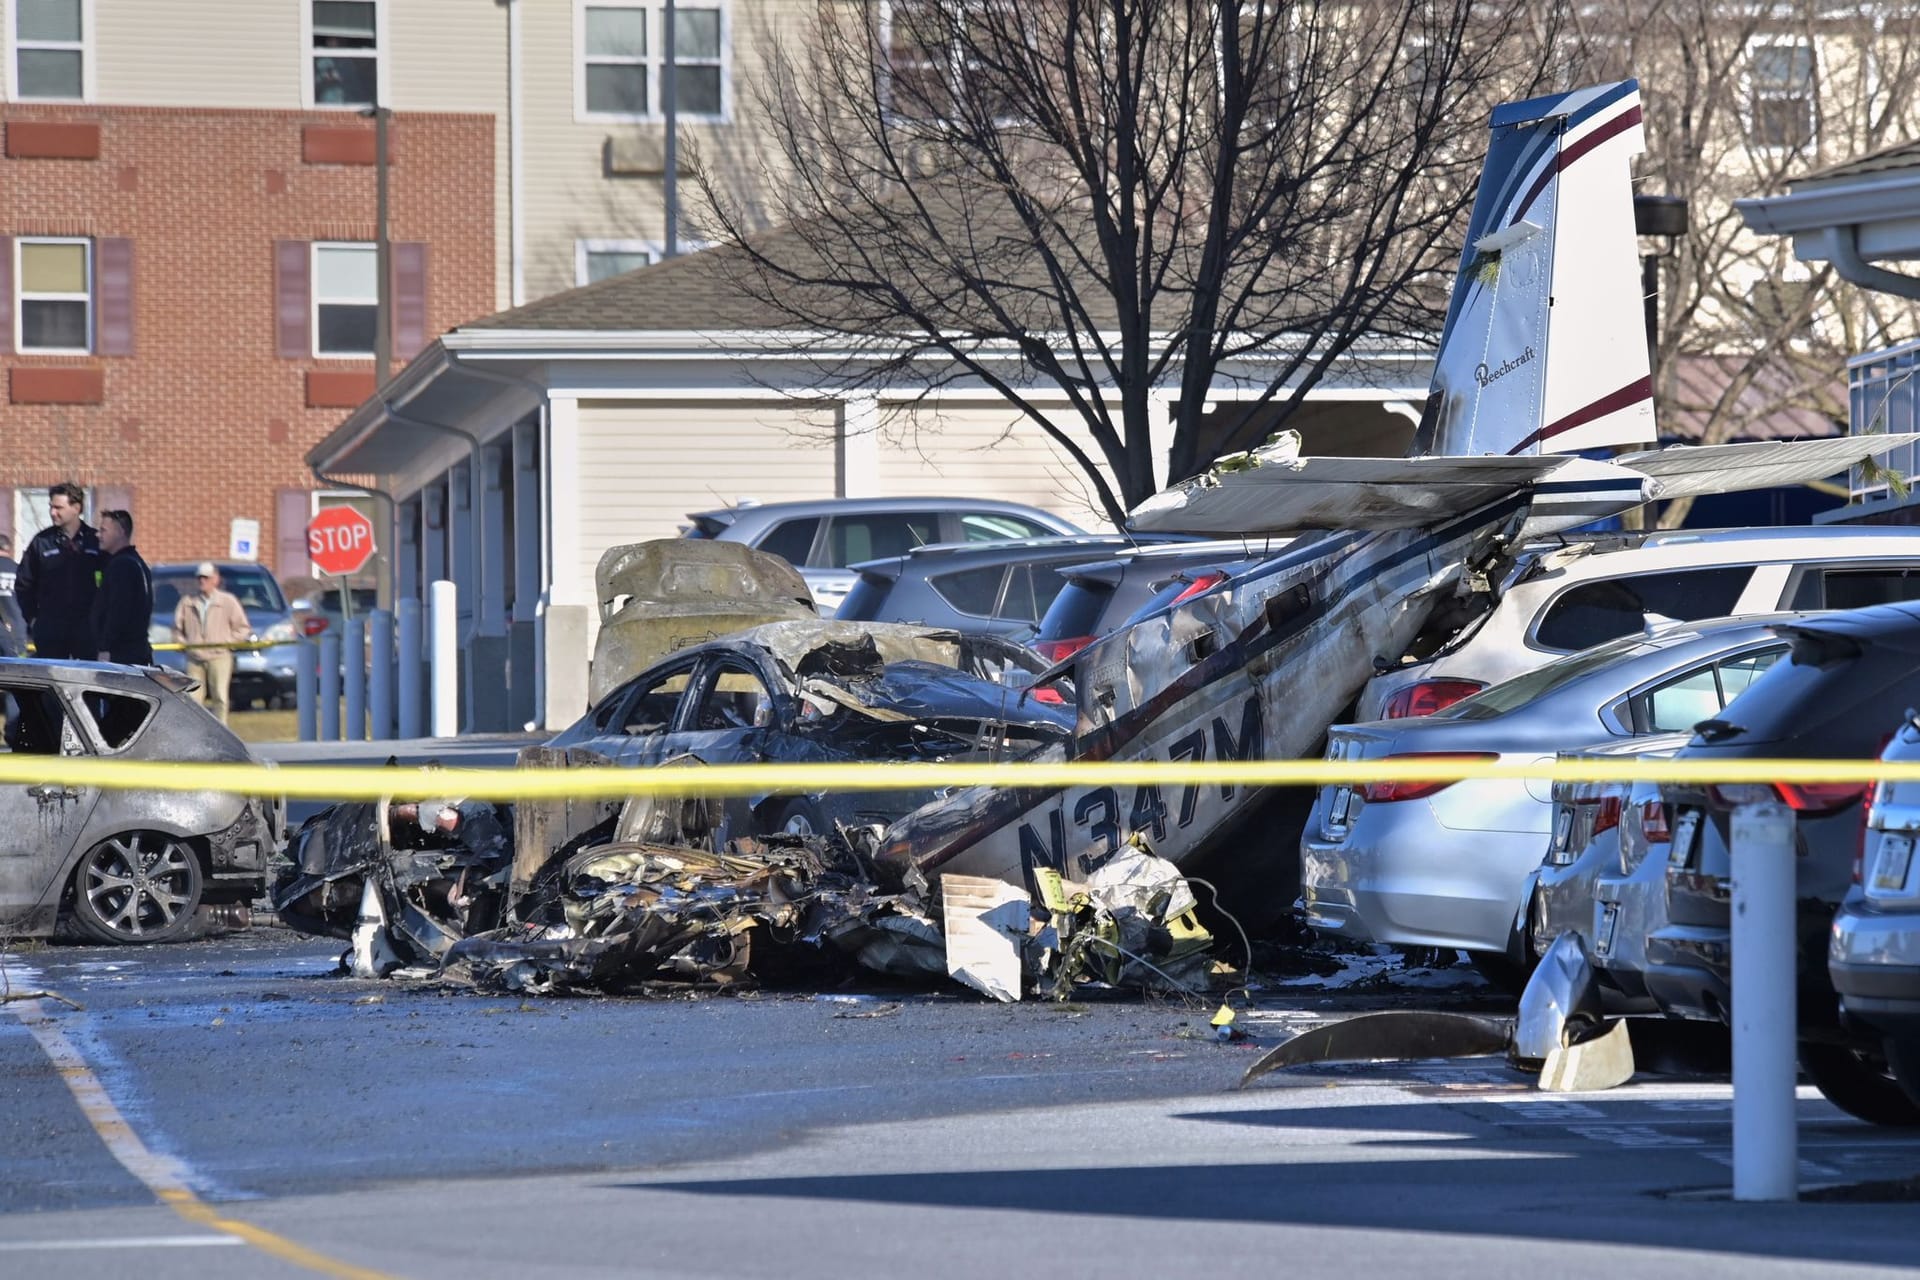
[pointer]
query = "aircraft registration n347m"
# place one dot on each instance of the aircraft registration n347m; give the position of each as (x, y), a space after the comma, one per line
(1543, 354)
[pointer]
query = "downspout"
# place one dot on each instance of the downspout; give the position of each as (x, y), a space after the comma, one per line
(1842, 249)
(516, 155)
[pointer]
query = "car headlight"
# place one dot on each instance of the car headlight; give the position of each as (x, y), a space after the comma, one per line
(280, 633)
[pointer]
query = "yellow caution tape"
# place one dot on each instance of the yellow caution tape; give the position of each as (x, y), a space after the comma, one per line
(369, 782)
(175, 646)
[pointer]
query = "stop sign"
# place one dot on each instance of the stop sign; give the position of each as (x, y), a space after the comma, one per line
(339, 541)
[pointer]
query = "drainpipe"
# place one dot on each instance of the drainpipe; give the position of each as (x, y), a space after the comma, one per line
(516, 155)
(1841, 246)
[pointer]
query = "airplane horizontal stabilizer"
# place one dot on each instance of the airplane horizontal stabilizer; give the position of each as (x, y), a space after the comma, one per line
(1685, 471)
(1282, 493)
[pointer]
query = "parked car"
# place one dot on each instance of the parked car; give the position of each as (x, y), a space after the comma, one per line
(823, 538)
(1102, 595)
(1433, 864)
(266, 676)
(1596, 828)
(1873, 956)
(991, 588)
(1835, 696)
(122, 866)
(817, 690)
(1562, 597)
(1630, 900)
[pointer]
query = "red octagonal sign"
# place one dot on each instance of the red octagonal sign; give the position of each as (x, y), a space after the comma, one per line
(339, 541)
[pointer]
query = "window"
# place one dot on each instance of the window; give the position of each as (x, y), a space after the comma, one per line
(1780, 95)
(346, 299)
(791, 540)
(55, 294)
(1857, 588)
(50, 49)
(852, 539)
(597, 260)
(650, 708)
(735, 698)
(971, 591)
(984, 527)
(1701, 694)
(623, 60)
(1595, 611)
(39, 725)
(344, 53)
(117, 716)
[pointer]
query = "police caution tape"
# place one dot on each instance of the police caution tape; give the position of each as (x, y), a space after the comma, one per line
(367, 782)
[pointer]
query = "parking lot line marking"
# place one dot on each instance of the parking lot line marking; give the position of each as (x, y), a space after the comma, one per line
(160, 1174)
(123, 1242)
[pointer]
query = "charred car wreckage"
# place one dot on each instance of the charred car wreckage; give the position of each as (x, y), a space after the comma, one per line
(554, 896)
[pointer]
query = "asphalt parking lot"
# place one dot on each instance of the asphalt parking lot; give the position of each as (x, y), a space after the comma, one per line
(234, 1108)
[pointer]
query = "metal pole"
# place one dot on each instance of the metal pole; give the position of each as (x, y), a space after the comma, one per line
(330, 686)
(407, 661)
(670, 108)
(306, 695)
(1765, 1145)
(383, 317)
(380, 674)
(444, 665)
(355, 674)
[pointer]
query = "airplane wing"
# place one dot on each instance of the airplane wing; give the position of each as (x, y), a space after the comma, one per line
(1682, 471)
(1284, 493)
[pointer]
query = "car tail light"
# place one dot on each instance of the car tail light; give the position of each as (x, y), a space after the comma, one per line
(1048, 694)
(1606, 813)
(1061, 650)
(1653, 822)
(311, 627)
(1424, 697)
(1820, 797)
(1387, 792)
(1200, 586)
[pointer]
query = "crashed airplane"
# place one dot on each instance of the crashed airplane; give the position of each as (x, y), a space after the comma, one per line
(1542, 357)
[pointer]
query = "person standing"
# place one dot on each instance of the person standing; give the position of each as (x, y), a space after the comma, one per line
(123, 607)
(207, 618)
(13, 627)
(58, 575)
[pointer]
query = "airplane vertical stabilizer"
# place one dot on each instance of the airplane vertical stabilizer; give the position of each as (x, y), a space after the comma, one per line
(1544, 348)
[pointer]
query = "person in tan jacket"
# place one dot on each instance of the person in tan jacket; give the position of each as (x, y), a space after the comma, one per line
(210, 616)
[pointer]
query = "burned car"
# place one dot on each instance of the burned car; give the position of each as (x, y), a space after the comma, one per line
(122, 866)
(821, 691)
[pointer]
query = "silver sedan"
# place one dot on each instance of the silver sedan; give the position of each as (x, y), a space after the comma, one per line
(1446, 865)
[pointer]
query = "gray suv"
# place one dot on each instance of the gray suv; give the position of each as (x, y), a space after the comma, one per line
(996, 588)
(822, 538)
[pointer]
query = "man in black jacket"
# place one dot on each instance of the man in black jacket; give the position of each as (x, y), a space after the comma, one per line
(13, 627)
(123, 607)
(57, 579)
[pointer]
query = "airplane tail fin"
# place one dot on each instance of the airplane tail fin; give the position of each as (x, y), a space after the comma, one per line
(1544, 347)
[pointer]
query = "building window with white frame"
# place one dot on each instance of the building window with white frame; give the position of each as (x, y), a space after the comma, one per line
(346, 300)
(50, 50)
(344, 58)
(597, 260)
(55, 294)
(1780, 80)
(623, 60)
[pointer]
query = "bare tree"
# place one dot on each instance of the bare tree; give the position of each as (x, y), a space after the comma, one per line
(1123, 201)
(1741, 100)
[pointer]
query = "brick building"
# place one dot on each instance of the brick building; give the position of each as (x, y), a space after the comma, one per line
(186, 301)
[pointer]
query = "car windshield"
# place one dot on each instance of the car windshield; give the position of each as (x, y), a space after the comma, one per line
(255, 589)
(1511, 695)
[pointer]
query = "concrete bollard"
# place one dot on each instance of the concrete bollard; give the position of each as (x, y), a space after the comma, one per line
(330, 686)
(1766, 1154)
(407, 668)
(443, 661)
(380, 674)
(306, 694)
(354, 676)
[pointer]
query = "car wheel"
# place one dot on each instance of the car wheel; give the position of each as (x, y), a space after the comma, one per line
(138, 887)
(801, 818)
(1858, 1082)
(1501, 970)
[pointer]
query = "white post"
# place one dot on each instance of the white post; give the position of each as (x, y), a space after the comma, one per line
(1765, 1145)
(443, 648)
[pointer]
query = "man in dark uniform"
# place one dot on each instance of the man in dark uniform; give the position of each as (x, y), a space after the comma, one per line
(58, 575)
(123, 607)
(13, 627)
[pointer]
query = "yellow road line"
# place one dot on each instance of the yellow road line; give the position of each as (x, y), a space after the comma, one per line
(160, 1174)
(366, 782)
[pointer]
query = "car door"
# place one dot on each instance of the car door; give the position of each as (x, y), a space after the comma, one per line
(640, 718)
(731, 713)
(40, 822)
